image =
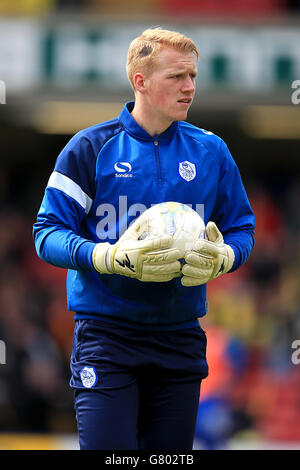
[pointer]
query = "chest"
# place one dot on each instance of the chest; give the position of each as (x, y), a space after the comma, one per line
(155, 171)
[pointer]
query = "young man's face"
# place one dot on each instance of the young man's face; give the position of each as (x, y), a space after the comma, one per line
(170, 88)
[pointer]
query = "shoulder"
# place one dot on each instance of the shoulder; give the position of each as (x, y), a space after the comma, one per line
(98, 134)
(213, 143)
(80, 153)
(204, 136)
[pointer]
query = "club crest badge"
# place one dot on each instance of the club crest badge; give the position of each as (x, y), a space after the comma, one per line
(88, 377)
(187, 170)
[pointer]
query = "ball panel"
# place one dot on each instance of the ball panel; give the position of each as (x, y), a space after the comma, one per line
(176, 219)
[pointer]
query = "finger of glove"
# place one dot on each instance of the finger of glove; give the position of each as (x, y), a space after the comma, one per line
(198, 273)
(154, 244)
(135, 230)
(162, 256)
(212, 233)
(168, 268)
(206, 248)
(187, 281)
(148, 244)
(157, 278)
(199, 260)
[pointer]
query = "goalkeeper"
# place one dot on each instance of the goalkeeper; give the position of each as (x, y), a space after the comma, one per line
(139, 353)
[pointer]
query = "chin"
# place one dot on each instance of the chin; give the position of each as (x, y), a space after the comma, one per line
(180, 116)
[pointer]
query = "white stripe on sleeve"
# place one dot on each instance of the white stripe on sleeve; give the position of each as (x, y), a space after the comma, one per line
(72, 189)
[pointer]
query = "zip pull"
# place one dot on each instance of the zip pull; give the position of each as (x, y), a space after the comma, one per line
(155, 142)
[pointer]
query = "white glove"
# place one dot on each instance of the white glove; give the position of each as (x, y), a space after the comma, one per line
(149, 260)
(208, 259)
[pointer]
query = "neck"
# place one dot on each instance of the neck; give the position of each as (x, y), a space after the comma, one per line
(151, 123)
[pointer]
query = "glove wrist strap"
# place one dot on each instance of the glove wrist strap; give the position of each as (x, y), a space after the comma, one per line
(99, 257)
(110, 257)
(231, 257)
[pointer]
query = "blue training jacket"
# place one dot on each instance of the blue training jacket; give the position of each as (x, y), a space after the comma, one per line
(105, 177)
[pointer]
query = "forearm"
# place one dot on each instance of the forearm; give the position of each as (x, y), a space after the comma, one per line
(63, 248)
(242, 243)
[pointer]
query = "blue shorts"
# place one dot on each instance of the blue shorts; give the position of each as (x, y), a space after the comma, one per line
(136, 389)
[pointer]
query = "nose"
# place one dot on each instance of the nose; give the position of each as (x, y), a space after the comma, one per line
(188, 84)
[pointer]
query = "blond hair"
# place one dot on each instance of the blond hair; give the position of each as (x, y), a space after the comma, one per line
(144, 49)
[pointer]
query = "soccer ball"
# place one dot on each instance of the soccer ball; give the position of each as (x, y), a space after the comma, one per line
(176, 219)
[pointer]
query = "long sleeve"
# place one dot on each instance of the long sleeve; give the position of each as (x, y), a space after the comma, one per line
(56, 232)
(67, 200)
(233, 213)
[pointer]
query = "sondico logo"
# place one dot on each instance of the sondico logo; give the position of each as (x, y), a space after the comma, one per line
(123, 170)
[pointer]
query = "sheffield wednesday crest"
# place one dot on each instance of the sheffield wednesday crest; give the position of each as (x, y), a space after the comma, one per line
(88, 377)
(187, 170)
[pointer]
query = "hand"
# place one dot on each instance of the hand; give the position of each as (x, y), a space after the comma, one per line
(149, 260)
(208, 259)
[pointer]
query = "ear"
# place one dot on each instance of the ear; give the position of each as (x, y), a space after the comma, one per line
(139, 82)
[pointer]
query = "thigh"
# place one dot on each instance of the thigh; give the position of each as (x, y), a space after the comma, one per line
(168, 413)
(105, 388)
(169, 396)
(107, 419)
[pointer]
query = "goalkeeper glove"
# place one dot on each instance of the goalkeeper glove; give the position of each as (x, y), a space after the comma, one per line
(208, 259)
(149, 260)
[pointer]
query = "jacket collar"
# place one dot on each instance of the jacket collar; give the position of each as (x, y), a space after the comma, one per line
(137, 131)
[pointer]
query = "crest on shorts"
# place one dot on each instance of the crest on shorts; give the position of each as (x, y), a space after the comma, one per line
(88, 377)
(187, 170)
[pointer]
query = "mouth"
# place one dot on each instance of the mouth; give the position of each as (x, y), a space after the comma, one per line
(186, 101)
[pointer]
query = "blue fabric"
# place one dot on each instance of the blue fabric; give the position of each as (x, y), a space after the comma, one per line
(140, 390)
(65, 233)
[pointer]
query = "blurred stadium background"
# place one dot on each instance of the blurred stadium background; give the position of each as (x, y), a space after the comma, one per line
(63, 66)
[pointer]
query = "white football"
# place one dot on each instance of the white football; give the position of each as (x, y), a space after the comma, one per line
(180, 221)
